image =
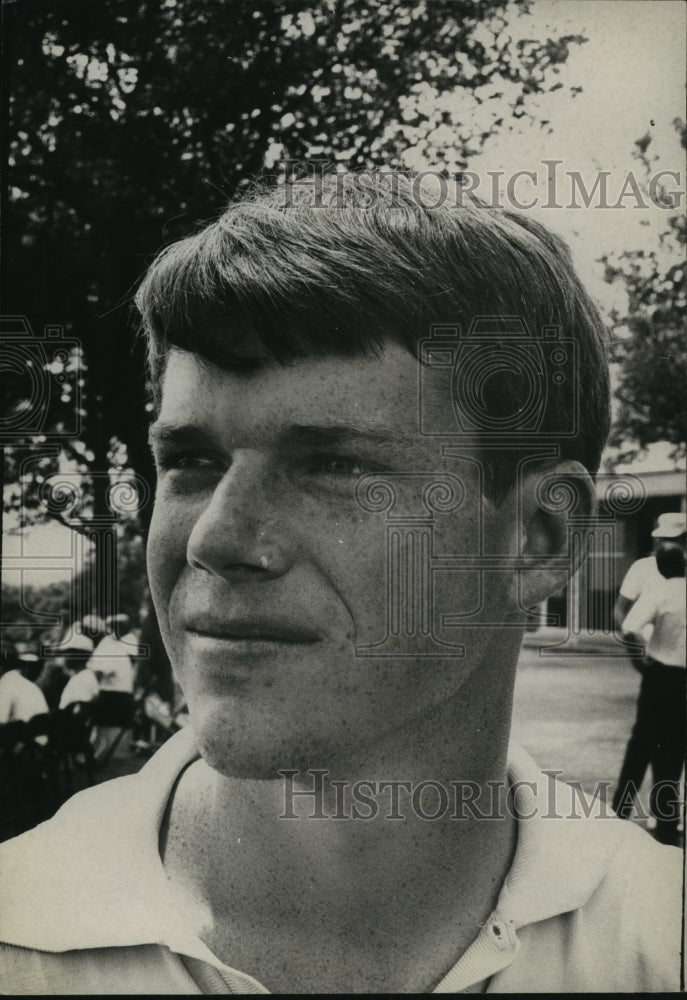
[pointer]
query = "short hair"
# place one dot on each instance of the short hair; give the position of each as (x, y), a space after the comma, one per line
(670, 560)
(337, 277)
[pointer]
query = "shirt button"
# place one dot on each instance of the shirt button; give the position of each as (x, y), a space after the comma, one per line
(498, 933)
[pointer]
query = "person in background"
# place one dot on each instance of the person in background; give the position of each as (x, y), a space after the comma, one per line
(70, 655)
(153, 669)
(81, 687)
(154, 692)
(20, 697)
(112, 659)
(94, 627)
(643, 574)
(658, 736)
(112, 663)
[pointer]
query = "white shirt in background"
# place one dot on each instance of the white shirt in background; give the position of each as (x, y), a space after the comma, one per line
(113, 659)
(642, 575)
(20, 699)
(81, 687)
(663, 606)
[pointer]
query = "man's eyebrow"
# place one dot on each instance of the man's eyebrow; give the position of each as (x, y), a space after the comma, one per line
(164, 432)
(291, 436)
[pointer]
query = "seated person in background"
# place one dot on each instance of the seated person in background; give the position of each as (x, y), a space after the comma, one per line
(81, 687)
(20, 697)
(153, 687)
(68, 654)
(153, 669)
(349, 526)
(112, 659)
(112, 663)
(659, 734)
(93, 627)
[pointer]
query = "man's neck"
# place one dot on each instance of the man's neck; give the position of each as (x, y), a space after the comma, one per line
(345, 865)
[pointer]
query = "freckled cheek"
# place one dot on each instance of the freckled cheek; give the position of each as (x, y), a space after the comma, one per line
(166, 553)
(355, 563)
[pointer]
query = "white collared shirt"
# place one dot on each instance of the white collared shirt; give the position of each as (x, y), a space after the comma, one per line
(589, 904)
(662, 606)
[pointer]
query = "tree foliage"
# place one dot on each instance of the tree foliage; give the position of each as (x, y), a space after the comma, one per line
(36, 615)
(132, 123)
(649, 349)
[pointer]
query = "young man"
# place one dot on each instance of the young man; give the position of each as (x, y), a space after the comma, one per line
(374, 419)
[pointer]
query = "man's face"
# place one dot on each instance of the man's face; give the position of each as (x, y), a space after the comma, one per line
(267, 571)
(668, 544)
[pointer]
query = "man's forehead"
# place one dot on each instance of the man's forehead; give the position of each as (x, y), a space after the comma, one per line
(362, 395)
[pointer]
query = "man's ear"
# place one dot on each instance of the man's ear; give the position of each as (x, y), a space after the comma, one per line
(557, 504)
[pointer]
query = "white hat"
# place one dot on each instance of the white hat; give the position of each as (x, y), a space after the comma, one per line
(76, 641)
(670, 525)
(91, 623)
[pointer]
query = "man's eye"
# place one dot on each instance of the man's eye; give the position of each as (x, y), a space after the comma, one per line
(186, 461)
(338, 465)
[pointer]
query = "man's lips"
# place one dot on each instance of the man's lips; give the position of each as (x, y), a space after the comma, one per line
(252, 630)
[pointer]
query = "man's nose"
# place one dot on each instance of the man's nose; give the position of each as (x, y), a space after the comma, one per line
(241, 530)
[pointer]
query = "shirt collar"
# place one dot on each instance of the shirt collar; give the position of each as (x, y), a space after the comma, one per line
(97, 877)
(557, 825)
(558, 828)
(94, 869)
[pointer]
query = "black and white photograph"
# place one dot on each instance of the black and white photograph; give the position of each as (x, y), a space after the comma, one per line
(344, 525)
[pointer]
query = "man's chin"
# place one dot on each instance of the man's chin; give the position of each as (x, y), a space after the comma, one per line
(235, 756)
